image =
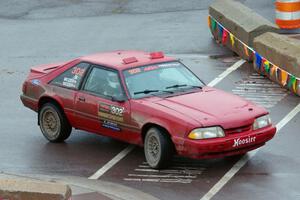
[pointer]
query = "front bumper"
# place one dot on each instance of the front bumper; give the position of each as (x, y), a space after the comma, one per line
(229, 145)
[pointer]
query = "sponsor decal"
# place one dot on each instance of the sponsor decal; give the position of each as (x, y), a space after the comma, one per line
(151, 68)
(111, 112)
(134, 71)
(239, 141)
(173, 64)
(111, 125)
(69, 82)
(78, 71)
(34, 82)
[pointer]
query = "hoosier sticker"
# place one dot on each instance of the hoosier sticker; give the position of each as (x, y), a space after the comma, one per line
(239, 141)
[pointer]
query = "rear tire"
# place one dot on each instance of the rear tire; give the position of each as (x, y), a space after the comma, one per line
(53, 123)
(158, 148)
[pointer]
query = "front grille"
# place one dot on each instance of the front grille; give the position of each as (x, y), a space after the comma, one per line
(239, 129)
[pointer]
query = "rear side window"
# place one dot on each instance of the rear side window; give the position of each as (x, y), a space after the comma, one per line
(72, 77)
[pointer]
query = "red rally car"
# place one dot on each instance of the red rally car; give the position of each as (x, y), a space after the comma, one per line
(146, 99)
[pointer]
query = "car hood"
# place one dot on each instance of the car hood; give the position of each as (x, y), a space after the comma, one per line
(211, 107)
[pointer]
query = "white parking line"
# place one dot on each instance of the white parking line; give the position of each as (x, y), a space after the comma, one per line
(128, 149)
(228, 176)
(112, 162)
(226, 73)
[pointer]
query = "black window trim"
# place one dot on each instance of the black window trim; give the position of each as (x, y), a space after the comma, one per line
(87, 74)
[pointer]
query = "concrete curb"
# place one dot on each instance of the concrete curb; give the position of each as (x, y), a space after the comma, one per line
(82, 185)
(254, 38)
(283, 53)
(20, 189)
(242, 22)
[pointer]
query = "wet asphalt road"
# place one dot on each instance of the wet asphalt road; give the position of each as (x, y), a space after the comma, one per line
(35, 33)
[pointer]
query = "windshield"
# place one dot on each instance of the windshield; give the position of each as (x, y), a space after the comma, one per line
(163, 78)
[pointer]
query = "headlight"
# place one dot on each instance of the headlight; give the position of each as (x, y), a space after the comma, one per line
(261, 122)
(205, 133)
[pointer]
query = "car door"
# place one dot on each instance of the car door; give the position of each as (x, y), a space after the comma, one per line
(66, 85)
(102, 106)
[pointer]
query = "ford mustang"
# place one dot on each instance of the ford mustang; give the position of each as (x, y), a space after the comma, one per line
(147, 99)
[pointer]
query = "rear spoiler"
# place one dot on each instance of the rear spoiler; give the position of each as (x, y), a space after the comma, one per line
(45, 69)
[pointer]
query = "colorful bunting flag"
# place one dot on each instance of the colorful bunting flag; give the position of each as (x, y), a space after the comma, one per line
(258, 59)
(263, 60)
(231, 39)
(246, 50)
(295, 86)
(292, 81)
(277, 73)
(213, 24)
(267, 66)
(284, 77)
(272, 70)
(224, 36)
(220, 30)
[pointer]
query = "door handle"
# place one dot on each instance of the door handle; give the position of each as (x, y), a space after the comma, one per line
(81, 99)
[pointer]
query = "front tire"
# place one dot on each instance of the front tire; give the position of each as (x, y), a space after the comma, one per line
(158, 148)
(53, 123)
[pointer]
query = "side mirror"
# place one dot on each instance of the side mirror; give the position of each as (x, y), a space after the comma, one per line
(119, 99)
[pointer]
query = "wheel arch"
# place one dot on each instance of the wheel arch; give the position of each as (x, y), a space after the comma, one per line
(149, 125)
(47, 99)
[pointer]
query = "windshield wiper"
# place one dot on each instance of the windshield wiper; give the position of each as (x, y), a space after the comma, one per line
(151, 91)
(146, 91)
(183, 85)
(176, 86)
(195, 86)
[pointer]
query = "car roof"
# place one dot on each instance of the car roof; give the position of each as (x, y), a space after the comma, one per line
(114, 59)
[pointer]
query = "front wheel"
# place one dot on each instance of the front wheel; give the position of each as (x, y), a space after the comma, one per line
(53, 123)
(158, 148)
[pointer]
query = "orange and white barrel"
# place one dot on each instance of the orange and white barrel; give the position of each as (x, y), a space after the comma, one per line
(288, 14)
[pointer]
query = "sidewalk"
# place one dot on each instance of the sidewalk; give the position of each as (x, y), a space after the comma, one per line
(90, 196)
(86, 189)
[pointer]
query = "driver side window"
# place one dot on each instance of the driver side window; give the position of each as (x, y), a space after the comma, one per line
(104, 83)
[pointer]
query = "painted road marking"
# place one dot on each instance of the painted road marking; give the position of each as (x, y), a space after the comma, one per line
(237, 166)
(260, 90)
(176, 173)
(288, 117)
(159, 180)
(226, 72)
(112, 162)
(128, 149)
(162, 176)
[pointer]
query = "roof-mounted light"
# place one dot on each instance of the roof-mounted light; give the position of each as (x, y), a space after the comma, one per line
(130, 60)
(156, 55)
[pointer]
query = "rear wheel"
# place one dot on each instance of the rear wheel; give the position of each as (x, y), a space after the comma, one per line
(158, 148)
(53, 123)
